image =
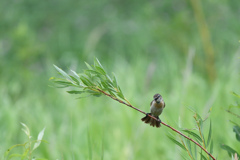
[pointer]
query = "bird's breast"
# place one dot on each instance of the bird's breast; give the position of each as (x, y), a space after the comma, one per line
(157, 108)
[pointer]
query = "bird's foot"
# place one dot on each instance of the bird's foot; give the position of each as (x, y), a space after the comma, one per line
(159, 119)
(148, 114)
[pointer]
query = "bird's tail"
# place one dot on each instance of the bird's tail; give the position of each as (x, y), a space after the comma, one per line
(152, 121)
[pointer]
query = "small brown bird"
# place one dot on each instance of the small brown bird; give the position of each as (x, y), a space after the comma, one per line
(156, 108)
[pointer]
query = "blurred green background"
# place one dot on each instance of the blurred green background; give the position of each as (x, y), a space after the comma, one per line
(185, 50)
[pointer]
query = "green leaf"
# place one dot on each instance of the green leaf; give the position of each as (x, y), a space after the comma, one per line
(234, 123)
(26, 129)
(97, 63)
(100, 70)
(195, 151)
(88, 66)
(75, 74)
(64, 74)
(236, 129)
(110, 84)
(230, 150)
(111, 93)
(203, 137)
(63, 83)
(120, 95)
(76, 92)
(211, 147)
(93, 72)
(97, 94)
(235, 94)
(177, 142)
(75, 80)
(86, 81)
(39, 139)
(105, 86)
(115, 84)
(193, 134)
(189, 147)
(202, 156)
(209, 134)
(25, 154)
(109, 79)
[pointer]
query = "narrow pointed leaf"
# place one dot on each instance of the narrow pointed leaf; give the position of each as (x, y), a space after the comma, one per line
(193, 134)
(209, 134)
(26, 129)
(235, 94)
(189, 146)
(75, 80)
(76, 92)
(236, 129)
(86, 81)
(111, 93)
(115, 84)
(120, 95)
(109, 79)
(203, 157)
(75, 74)
(64, 74)
(88, 66)
(110, 84)
(104, 84)
(211, 147)
(39, 139)
(195, 151)
(230, 150)
(63, 83)
(100, 70)
(93, 72)
(96, 62)
(176, 142)
(25, 154)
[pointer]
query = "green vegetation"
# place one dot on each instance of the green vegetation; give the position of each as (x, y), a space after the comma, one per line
(95, 81)
(27, 147)
(151, 46)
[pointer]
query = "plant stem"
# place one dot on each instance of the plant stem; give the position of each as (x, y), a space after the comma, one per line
(233, 113)
(186, 148)
(129, 105)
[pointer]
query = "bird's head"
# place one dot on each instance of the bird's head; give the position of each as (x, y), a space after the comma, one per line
(157, 97)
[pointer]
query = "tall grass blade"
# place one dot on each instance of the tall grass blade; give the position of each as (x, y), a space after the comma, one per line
(209, 134)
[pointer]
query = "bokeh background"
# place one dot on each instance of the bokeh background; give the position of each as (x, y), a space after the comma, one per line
(187, 50)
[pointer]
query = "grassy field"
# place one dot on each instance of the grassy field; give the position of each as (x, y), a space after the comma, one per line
(151, 46)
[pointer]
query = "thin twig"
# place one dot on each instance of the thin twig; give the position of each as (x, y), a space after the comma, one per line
(129, 105)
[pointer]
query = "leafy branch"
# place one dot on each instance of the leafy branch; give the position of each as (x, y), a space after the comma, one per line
(236, 128)
(199, 138)
(28, 146)
(95, 81)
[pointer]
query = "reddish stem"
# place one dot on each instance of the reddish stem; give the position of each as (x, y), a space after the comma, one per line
(129, 105)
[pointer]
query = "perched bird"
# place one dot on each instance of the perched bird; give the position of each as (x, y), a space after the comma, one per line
(156, 108)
